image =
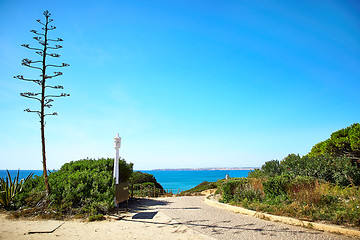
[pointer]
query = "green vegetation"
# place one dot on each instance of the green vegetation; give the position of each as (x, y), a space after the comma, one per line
(340, 170)
(10, 188)
(82, 188)
(144, 184)
(302, 197)
(201, 187)
(97, 217)
(345, 142)
(323, 185)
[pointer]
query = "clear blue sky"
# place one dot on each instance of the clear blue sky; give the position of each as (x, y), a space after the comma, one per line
(185, 83)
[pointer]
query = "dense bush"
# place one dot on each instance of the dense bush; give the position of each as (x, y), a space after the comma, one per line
(144, 185)
(336, 160)
(322, 185)
(302, 197)
(241, 189)
(272, 168)
(277, 185)
(344, 142)
(338, 170)
(10, 188)
(79, 187)
(139, 178)
(201, 187)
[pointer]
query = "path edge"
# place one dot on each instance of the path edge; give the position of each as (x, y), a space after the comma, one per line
(287, 220)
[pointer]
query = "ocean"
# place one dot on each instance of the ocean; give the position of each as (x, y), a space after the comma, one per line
(186, 179)
(174, 180)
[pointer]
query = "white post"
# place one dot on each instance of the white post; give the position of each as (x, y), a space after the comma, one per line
(117, 143)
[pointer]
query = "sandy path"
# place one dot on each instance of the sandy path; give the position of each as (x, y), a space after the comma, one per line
(223, 224)
(168, 218)
(143, 222)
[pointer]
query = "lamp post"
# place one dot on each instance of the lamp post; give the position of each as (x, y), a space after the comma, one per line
(117, 143)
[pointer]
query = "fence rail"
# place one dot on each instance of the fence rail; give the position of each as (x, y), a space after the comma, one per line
(152, 191)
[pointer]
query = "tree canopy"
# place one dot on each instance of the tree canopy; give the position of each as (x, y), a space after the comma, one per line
(344, 142)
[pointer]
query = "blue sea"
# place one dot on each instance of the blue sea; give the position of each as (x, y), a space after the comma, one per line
(187, 179)
(174, 180)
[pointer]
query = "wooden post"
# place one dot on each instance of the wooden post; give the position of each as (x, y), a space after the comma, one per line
(132, 190)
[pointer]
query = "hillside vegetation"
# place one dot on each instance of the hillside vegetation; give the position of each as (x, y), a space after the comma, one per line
(80, 188)
(323, 185)
(144, 184)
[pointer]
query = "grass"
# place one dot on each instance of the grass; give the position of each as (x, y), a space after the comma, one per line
(320, 201)
(304, 199)
(201, 187)
(98, 217)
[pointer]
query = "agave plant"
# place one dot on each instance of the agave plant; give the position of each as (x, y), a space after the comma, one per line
(9, 188)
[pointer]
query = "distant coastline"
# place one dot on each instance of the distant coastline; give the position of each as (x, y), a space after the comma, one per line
(205, 169)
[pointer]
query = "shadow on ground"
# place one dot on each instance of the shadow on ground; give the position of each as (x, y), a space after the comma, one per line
(142, 204)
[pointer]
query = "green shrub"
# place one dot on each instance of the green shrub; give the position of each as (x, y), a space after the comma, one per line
(97, 217)
(340, 170)
(272, 168)
(344, 142)
(257, 173)
(276, 186)
(137, 178)
(201, 187)
(9, 188)
(79, 187)
(241, 189)
(148, 185)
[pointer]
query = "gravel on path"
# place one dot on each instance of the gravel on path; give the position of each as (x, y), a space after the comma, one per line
(223, 224)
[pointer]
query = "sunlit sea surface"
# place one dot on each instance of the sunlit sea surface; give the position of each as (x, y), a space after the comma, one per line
(169, 179)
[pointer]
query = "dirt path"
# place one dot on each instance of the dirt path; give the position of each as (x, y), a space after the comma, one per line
(144, 221)
(168, 218)
(223, 224)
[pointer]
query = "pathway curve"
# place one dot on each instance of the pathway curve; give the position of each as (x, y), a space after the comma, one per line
(223, 224)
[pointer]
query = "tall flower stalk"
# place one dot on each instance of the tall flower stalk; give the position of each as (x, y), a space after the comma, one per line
(46, 44)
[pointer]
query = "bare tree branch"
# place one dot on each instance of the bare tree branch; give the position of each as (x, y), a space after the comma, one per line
(56, 87)
(56, 75)
(56, 40)
(34, 31)
(21, 77)
(31, 66)
(63, 65)
(30, 111)
(56, 47)
(53, 54)
(39, 21)
(54, 113)
(48, 100)
(61, 95)
(26, 62)
(30, 95)
(28, 46)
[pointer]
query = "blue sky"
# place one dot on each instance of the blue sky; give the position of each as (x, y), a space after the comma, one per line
(185, 83)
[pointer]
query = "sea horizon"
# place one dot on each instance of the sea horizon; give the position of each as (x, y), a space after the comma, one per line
(170, 179)
(160, 169)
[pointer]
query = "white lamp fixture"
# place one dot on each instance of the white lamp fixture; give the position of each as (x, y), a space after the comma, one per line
(117, 143)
